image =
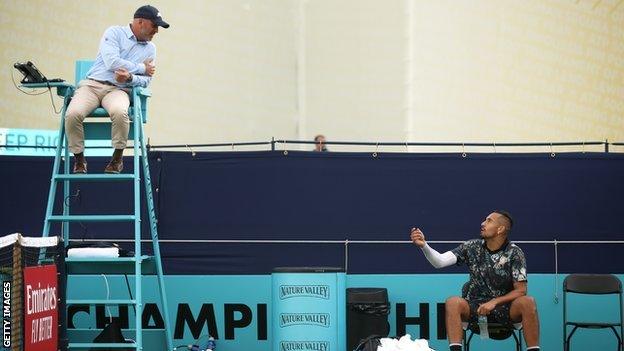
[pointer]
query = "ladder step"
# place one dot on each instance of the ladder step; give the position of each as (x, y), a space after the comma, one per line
(101, 302)
(87, 345)
(120, 260)
(109, 265)
(92, 218)
(94, 177)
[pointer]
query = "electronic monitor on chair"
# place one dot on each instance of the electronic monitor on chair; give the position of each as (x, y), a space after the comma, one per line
(32, 74)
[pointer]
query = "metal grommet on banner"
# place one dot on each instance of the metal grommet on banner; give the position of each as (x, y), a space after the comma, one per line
(552, 153)
(192, 152)
(376, 148)
(463, 150)
(285, 151)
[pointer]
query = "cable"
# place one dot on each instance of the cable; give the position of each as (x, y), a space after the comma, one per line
(52, 99)
(23, 91)
(129, 291)
(78, 197)
(196, 345)
(108, 298)
(39, 93)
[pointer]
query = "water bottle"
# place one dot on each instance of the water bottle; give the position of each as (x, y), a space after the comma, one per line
(483, 327)
(211, 345)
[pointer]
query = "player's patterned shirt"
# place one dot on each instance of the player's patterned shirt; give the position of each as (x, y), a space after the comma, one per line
(492, 273)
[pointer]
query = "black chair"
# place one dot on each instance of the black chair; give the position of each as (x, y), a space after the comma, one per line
(496, 331)
(591, 284)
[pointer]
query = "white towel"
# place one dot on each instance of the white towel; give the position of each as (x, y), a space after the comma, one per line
(405, 343)
(93, 252)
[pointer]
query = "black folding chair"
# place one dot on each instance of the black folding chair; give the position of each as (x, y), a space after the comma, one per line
(591, 284)
(496, 331)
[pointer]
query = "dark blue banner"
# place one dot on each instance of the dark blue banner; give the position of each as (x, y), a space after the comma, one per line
(344, 196)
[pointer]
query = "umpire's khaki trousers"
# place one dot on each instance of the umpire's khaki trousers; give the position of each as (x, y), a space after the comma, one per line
(90, 95)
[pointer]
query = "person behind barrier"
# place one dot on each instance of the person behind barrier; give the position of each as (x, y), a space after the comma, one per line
(319, 145)
(125, 60)
(498, 281)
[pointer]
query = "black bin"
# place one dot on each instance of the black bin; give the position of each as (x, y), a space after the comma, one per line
(367, 314)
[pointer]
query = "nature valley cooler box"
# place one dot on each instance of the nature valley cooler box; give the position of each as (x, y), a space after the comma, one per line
(308, 309)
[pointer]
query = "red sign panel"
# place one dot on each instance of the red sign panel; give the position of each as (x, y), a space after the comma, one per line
(40, 308)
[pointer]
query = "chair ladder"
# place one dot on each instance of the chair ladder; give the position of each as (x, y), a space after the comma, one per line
(110, 265)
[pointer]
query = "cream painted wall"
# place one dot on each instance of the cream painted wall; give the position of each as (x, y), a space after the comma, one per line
(481, 70)
(520, 70)
(355, 53)
(225, 69)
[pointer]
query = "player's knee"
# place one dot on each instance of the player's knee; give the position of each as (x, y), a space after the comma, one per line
(527, 304)
(454, 303)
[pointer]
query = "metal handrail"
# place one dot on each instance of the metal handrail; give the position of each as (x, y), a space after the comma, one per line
(346, 241)
(273, 142)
